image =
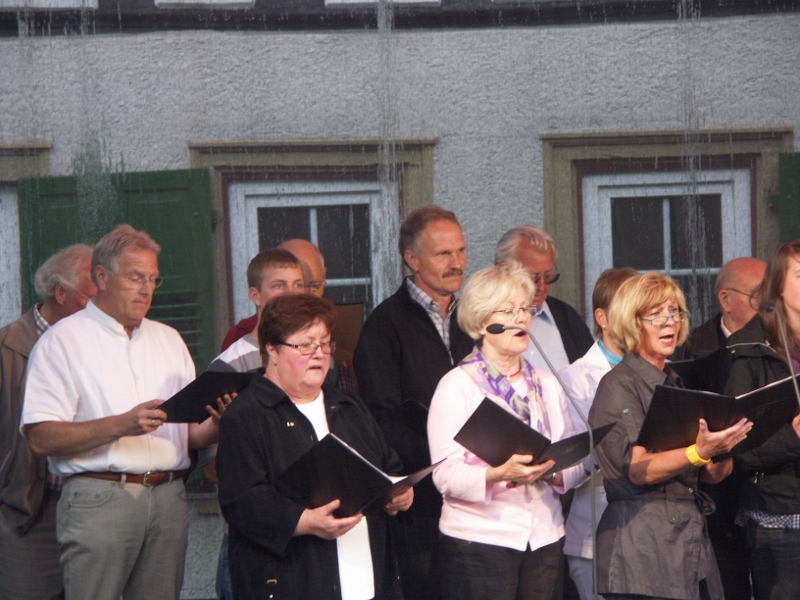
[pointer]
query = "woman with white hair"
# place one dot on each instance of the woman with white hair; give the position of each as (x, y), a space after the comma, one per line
(502, 529)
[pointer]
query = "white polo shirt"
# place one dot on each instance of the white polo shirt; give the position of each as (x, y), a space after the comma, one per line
(85, 367)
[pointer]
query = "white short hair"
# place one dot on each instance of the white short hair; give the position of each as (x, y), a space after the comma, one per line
(486, 291)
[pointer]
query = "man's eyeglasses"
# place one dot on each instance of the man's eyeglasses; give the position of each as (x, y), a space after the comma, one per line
(514, 311)
(661, 320)
(309, 348)
(139, 281)
(752, 299)
(546, 278)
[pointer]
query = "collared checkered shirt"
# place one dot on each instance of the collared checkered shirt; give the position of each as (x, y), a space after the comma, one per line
(41, 324)
(432, 308)
(54, 482)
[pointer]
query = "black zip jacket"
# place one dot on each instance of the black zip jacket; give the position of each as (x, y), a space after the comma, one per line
(262, 433)
(771, 473)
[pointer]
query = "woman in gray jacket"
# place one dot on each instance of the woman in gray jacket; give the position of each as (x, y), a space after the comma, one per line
(652, 538)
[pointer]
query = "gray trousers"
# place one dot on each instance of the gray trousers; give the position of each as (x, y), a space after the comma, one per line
(29, 567)
(122, 539)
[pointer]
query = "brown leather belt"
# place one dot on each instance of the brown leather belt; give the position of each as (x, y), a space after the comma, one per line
(149, 479)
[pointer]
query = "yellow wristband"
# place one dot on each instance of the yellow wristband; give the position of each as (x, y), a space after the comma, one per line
(695, 458)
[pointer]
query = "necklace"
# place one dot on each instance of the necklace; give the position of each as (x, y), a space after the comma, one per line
(512, 375)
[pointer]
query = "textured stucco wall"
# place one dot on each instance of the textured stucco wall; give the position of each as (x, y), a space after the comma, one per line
(486, 94)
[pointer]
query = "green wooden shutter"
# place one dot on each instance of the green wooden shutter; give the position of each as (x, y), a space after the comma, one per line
(788, 197)
(172, 206)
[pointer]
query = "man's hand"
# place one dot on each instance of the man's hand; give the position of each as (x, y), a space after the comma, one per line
(68, 438)
(321, 522)
(222, 405)
(142, 418)
(400, 503)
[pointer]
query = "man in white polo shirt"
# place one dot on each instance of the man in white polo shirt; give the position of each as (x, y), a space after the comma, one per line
(94, 383)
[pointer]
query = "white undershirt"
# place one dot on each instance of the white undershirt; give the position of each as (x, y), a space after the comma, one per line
(353, 550)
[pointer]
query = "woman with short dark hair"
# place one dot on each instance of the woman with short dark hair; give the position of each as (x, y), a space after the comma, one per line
(278, 548)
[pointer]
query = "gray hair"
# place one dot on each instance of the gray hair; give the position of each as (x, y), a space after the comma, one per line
(538, 239)
(113, 244)
(486, 291)
(61, 268)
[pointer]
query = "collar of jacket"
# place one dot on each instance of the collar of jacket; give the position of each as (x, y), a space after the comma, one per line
(270, 395)
(652, 375)
(751, 342)
(22, 335)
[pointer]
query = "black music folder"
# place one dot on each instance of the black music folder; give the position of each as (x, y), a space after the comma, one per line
(189, 404)
(672, 419)
(494, 435)
(332, 470)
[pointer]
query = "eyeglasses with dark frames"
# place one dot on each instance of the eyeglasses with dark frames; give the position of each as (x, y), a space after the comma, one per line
(309, 348)
(547, 278)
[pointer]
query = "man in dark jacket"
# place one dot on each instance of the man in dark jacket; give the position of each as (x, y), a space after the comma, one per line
(558, 327)
(406, 345)
(735, 288)
(29, 553)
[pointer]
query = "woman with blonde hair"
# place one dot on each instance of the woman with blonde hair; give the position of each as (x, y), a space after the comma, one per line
(652, 540)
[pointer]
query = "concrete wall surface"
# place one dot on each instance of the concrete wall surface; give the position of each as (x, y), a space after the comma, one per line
(486, 94)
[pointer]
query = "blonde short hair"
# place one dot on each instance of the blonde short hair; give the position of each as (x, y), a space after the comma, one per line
(633, 300)
(486, 291)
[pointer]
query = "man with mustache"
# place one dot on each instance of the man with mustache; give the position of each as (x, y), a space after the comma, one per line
(406, 345)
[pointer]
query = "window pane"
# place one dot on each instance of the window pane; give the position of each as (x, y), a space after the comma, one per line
(343, 233)
(700, 300)
(637, 233)
(349, 294)
(696, 226)
(276, 225)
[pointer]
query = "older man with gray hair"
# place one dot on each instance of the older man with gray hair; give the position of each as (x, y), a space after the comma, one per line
(558, 327)
(94, 385)
(29, 553)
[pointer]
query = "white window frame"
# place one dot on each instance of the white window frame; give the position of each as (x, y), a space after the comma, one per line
(212, 4)
(354, 3)
(49, 4)
(733, 186)
(245, 198)
(10, 258)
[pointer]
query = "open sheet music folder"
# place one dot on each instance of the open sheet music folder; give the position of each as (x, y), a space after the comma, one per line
(494, 435)
(332, 470)
(672, 419)
(189, 404)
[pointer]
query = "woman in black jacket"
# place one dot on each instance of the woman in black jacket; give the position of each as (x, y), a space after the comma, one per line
(769, 506)
(279, 548)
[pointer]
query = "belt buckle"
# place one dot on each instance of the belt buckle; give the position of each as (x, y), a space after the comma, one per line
(144, 479)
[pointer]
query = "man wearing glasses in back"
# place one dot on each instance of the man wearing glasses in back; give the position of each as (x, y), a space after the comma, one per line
(558, 327)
